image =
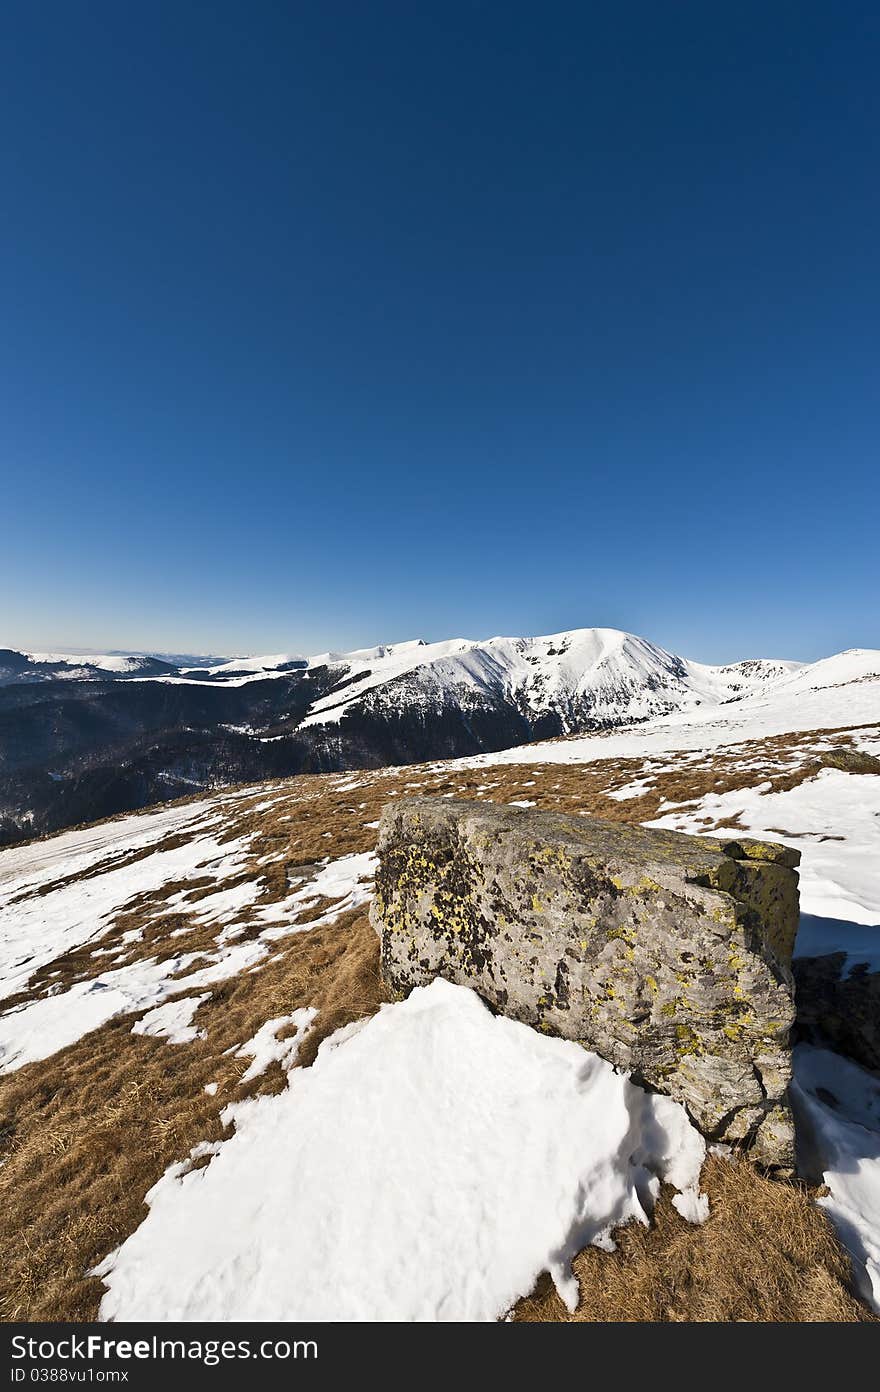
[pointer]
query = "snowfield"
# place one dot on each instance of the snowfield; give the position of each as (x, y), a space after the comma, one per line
(428, 1166)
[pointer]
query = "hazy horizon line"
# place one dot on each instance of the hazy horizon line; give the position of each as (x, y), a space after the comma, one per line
(211, 654)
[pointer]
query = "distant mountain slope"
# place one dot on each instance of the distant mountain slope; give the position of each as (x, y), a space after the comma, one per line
(42, 667)
(591, 676)
(88, 736)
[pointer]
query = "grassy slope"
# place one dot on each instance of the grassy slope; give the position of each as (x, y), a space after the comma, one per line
(85, 1133)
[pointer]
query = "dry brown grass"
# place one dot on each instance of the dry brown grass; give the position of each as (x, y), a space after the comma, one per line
(766, 1254)
(86, 1133)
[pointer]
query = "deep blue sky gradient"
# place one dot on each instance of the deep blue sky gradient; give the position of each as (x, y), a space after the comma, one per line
(332, 323)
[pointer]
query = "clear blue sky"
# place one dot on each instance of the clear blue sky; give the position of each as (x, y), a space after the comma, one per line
(329, 323)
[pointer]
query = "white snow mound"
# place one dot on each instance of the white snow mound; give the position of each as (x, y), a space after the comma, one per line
(428, 1166)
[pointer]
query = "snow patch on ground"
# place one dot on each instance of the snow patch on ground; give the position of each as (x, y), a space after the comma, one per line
(781, 709)
(222, 904)
(35, 928)
(347, 881)
(172, 1021)
(266, 1047)
(834, 821)
(837, 1105)
(71, 853)
(430, 1165)
(41, 1027)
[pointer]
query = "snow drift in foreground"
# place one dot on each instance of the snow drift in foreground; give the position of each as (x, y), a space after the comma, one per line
(430, 1165)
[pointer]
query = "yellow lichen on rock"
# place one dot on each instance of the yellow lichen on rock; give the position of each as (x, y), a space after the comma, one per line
(668, 954)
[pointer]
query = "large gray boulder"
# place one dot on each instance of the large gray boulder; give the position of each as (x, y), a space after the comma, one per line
(667, 954)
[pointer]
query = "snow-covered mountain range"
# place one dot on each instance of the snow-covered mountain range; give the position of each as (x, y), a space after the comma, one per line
(28, 667)
(585, 677)
(601, 672)
(87, 735)
(596, 676)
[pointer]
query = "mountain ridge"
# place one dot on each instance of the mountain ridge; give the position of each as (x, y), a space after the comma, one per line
(94, 740)
(32, 665)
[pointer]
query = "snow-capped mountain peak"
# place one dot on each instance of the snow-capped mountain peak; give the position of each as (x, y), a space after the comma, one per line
(581, 677)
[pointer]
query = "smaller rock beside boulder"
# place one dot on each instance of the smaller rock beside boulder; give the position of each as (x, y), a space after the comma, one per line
(667, 954)
(838, 1000)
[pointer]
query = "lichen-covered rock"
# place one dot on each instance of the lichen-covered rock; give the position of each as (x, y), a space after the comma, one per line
(840, 1001)
(667, 954)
